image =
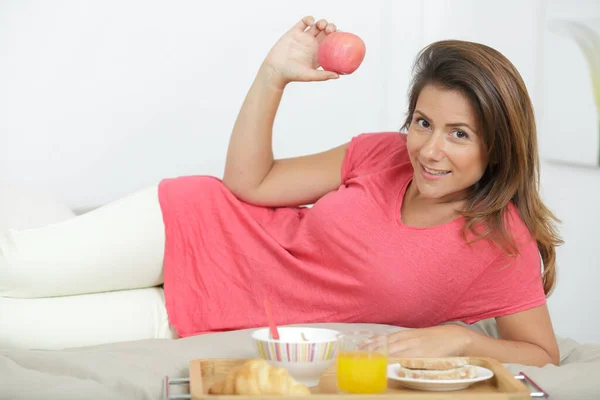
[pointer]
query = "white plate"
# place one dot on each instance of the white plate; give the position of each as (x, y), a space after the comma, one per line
(438, 385)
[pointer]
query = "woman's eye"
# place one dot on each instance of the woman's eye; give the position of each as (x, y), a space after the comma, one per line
(422, 123)
(461, 134)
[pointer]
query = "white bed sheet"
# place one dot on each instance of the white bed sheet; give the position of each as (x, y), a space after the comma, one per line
(136, 370)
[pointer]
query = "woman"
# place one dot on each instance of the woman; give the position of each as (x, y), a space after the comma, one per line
(441, 223)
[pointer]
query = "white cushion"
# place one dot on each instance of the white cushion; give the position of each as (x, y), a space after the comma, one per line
(83, 320)
(22, 207)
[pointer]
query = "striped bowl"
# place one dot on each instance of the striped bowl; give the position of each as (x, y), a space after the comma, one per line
(306, 360)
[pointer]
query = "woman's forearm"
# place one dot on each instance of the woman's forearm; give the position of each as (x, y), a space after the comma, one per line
(250, 151)
(508, 351)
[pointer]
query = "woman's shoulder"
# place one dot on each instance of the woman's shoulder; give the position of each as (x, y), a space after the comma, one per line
(521, 247)
(374, 151)
(516, 245)
(386, 140)
(515, 224)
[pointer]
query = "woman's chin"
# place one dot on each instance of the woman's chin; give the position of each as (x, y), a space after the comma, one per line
(425, 191)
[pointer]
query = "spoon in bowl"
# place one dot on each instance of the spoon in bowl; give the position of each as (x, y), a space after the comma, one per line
(272, 327)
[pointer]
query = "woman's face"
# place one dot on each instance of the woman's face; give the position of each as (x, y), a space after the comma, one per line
(445, 146)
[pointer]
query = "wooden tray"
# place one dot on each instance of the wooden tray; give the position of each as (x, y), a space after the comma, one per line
(503, 386)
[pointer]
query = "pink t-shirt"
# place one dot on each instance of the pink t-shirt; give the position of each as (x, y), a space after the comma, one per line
(348, 258)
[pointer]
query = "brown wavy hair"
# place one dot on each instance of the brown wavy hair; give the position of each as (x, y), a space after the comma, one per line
(506, 119)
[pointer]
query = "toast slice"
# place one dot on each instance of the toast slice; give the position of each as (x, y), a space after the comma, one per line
(465, 372)
(437, 364)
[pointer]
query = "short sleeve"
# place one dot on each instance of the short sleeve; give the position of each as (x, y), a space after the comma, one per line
(510, 284)
(373, 152)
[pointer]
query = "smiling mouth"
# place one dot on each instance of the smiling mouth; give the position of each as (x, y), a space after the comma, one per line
(437, 172)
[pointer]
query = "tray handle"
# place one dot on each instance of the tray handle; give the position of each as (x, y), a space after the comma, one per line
(175, 381)
(538, 392)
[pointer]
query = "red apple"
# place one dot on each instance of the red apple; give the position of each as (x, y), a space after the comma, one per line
(341, 52)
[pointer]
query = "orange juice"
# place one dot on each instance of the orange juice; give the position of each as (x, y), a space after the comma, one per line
(362, 372)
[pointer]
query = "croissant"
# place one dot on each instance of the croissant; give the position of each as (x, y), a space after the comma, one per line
(257, 377)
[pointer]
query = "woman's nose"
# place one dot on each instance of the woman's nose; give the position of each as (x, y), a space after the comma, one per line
(434, 146)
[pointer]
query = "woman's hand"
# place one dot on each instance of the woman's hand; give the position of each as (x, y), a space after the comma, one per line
(295, 55)
(437, 341)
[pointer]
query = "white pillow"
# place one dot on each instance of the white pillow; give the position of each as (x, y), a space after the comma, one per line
(23, 207)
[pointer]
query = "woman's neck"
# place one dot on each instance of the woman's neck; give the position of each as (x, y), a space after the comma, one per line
(455, 201)
(425, 212)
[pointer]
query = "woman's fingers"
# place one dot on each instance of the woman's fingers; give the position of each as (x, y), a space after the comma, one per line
(406, 353)
(330, 28)
(318, 27)
(405, 334)
(320, 75)
(304, 23)
(401, 345)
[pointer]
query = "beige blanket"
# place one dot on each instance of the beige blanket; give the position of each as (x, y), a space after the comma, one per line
(136, 370)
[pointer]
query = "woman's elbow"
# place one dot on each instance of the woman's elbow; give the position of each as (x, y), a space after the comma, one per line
(555, 358)
(549, 357)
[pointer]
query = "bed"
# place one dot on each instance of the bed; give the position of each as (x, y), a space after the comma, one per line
(137, 369)
(81, 354)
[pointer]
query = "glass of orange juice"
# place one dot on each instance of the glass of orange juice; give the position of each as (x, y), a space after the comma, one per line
(362, 361)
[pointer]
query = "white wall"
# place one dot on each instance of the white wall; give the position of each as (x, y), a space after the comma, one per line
(103, 98)
(568, 117)
(98, 99)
